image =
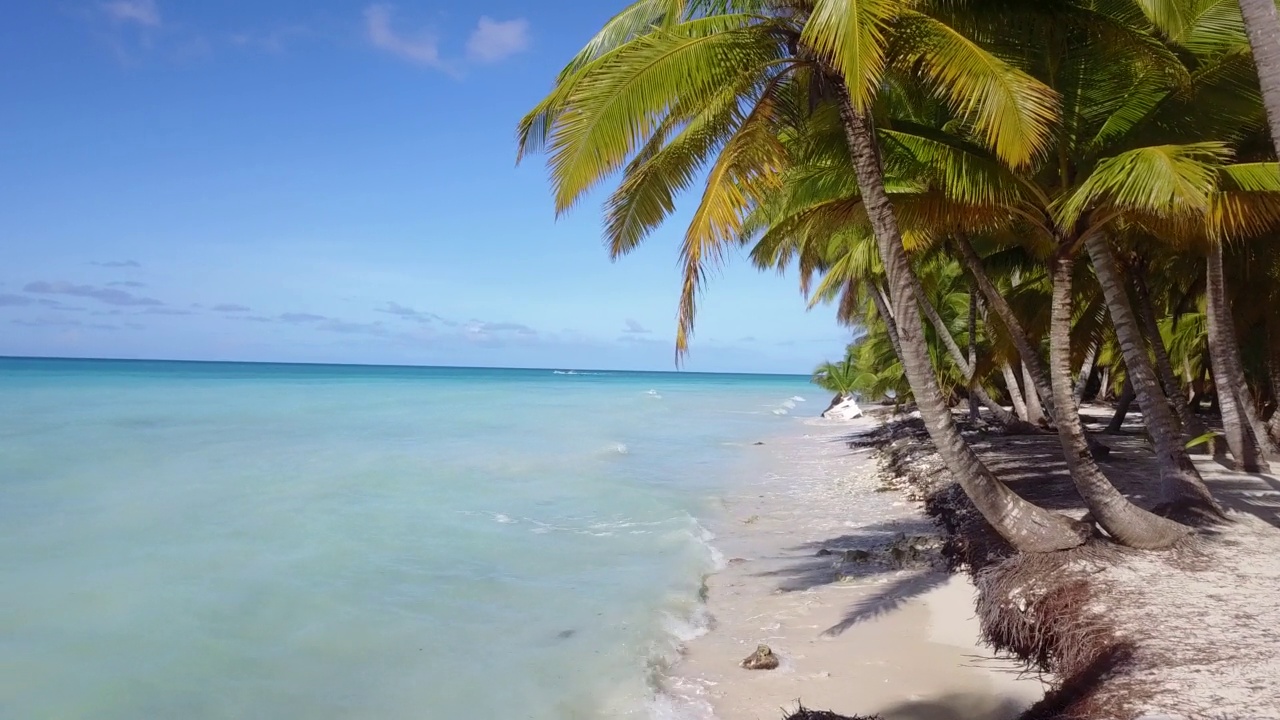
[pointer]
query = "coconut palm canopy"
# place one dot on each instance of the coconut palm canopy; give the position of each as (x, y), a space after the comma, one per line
(1019, 202)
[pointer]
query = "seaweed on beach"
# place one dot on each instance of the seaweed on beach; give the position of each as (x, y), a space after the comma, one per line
(803, 713)
(1035, 608)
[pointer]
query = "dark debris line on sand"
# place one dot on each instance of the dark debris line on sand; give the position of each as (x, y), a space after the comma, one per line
(1113, 649)
(803, 713)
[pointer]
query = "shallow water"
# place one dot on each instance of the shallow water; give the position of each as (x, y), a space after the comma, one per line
(231, 540)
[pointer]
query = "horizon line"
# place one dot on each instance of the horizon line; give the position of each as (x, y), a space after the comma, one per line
(561, 368)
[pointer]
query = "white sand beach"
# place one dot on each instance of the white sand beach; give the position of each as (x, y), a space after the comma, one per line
(855, 634)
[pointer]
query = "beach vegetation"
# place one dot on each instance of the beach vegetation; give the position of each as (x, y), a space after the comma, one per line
(1025, 203)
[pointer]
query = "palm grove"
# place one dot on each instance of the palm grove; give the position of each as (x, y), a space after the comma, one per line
(1067, 188)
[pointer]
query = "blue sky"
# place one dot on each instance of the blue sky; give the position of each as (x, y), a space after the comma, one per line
(325, 181)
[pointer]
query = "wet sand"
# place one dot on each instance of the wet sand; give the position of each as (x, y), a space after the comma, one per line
(855, 634)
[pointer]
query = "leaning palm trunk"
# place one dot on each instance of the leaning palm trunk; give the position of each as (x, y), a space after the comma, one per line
(1227, 375)
(1086, 372)
(1015, 393)
(1024, 525)
(1129, 524)
(967, 368)
(1004, 311)
(1122, 407)
(890, 325)
(1273, 425)
(1035, 411)
(1191, 425)
(1231, 355)
(1180, 482)
(973, 350)
(1273, 373)
(1262, 24)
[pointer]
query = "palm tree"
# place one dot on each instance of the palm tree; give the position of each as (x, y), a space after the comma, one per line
(1124, 521)
(660, 94)
(817, 219)
(840, 378)
(849, 39)
(1212, 33)
(1262, 23)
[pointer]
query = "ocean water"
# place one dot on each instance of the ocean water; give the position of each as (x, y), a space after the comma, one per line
(215, 540)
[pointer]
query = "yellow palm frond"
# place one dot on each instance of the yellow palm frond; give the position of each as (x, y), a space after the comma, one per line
(745, 171)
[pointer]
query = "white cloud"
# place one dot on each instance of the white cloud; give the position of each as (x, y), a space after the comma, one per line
(423, 49)
(495, 40)
(142, 12)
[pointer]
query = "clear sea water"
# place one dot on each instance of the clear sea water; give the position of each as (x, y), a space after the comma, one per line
(216, 540)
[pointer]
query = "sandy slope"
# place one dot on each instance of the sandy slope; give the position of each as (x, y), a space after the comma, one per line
(855, 635)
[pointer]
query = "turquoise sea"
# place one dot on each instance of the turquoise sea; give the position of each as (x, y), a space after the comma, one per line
(222, 540)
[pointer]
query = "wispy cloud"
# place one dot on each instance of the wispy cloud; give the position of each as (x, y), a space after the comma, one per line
(352, 328)
(641, 340)
(230, 308)
(635, 328)
(300, 318)
(498, 334)
(126, 283)
(408, 313)
(253, 318)
(8, 300)
(272, 41)
(56, 305)
(109, 296)
(141, 12)
(421, 48)
(166, 311)
(117, 263)
(496, 40)
(475, 326)
(63, 322)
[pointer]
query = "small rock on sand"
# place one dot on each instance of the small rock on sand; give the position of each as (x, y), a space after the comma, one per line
(762, 659)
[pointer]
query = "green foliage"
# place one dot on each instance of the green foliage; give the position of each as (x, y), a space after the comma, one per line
(1024, 126)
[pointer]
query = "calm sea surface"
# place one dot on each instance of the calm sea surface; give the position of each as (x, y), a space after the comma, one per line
(219, 540)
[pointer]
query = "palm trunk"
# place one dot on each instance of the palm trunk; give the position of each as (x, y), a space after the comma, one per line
(1273, 424)
(1025, 526)
(1122, 407)
(1180, 482)
(1004, 311)
(1273, 373)
(967, 369)
(1231, 354)
(1015, 394)
(1191, 425)
(1035, 411)
(1086, 372)
(973, 352)
(1226, 375)
(891, 326)
(1262, 24)
(1129, 524)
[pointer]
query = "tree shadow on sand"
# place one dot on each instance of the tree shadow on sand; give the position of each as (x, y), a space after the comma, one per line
(907, 551)
(853, 556)
(888, 599)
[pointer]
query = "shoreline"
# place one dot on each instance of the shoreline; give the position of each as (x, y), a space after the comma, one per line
(840, 575)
